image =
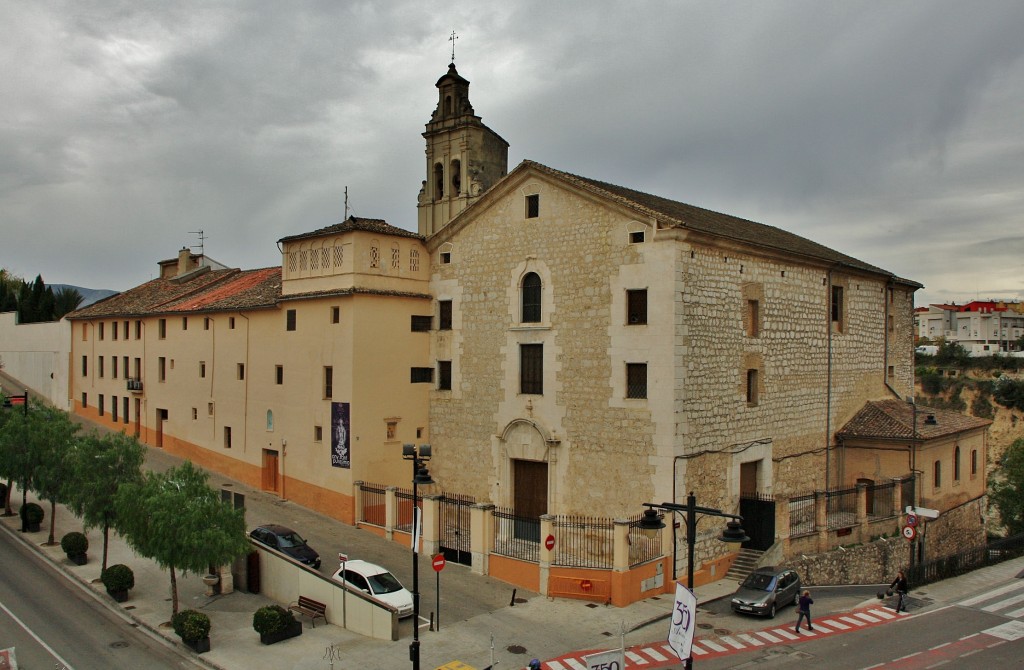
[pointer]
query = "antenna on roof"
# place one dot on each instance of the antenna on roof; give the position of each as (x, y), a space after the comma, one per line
(202, 238)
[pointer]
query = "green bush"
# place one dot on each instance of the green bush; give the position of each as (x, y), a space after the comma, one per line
(982, 407)
(31, 512)
(190, 625)
(118, 577)
(272, 619)
(74, 543)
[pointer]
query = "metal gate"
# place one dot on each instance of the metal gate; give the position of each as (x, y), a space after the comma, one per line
(758, 512)
(454, 533)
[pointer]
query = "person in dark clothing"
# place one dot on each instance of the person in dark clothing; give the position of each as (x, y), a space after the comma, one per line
(899, 585)
(803, 608)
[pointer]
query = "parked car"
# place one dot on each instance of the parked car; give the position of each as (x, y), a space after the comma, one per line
(287, 541)
(765, 590)
(378, 582)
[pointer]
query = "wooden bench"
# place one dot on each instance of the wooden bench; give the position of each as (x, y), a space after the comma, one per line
(310, 608)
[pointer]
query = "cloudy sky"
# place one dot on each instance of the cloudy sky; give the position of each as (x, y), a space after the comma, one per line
(891, 131)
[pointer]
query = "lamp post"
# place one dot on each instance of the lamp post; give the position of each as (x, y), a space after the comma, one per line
(420, 475)
(652, 522)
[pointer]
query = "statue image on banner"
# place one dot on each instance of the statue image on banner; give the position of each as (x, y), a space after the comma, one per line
(339, 435)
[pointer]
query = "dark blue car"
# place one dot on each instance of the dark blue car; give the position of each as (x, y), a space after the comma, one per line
(288, 542)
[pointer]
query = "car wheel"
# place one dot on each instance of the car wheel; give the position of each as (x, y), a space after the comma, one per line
(771, 612)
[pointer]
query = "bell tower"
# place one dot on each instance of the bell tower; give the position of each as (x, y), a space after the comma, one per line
(464, 157)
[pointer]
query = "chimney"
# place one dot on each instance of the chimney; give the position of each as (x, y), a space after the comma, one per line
(184, 261)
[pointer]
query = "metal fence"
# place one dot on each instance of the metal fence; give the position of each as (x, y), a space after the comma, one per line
(966, 561)
(642, 548)
(516, 536)
(584, 542)
(841, 508)
(374, 504)
(907, 492)
(880, 500)
(403, 503)
(801, 515)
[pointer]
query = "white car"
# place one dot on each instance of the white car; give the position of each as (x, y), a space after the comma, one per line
(378, 582)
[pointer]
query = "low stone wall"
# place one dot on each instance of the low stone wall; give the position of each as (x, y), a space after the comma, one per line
(956, 530)
(874, 563)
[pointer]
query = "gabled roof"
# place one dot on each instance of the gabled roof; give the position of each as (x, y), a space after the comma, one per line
(673, 214)
(353, 223)
(894, 420)
(205, 291)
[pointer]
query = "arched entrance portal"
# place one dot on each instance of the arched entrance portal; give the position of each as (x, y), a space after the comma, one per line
(527, 477)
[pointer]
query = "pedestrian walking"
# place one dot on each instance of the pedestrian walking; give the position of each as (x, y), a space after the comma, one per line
(899, 585)
(803, 608)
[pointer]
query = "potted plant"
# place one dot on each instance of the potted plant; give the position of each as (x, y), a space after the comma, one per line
(75, 545)
(274, 624)
(32, 516)
(118, 578)
(193, 628)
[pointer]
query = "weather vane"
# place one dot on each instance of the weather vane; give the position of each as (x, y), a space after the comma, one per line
(452, 40)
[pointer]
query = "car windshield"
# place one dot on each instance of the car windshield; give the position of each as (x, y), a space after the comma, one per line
(385, 582)
(288, 540)
(759, 582)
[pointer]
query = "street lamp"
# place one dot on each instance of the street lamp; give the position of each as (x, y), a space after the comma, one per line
(653, 521)
(420, 475)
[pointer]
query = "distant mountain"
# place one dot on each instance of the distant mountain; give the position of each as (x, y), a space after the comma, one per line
(91, 295)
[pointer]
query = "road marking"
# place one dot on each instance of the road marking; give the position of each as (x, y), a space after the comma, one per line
(903, 658)
(991, 594)
(822, 628)
(768, 636)
(732, 643)
(750, 640)
(808, 633)
(883, 614)
(867, 617)
(712, 646)
(67, 666)
(637, 659)
(940, 646)
(697, 650)
(555, 665)
(935, 665)
(836, 624)
(1015, 613)
(575, 664)
(1003, 603)
(851, 620)
(1011, 630)
(785, 633)
(654, 654)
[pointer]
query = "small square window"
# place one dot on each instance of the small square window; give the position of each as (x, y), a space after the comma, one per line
(318, 433)
(421, 375)
(421, 324)
(532, 206)
(636, 237)
(446, 257)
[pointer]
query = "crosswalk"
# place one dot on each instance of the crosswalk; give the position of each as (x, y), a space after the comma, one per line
(652, 656)
(1005, 600)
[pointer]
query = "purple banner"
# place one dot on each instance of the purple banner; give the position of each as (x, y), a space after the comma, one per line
(340, 454)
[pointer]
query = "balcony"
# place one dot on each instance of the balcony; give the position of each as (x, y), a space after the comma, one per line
(134, 385)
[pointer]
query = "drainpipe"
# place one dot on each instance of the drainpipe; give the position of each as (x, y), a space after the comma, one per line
(828, 378)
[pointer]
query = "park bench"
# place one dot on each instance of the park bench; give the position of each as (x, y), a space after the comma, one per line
(310, 608)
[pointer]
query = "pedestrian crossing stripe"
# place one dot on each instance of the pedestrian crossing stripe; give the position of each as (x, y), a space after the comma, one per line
(836, 624)
(637, 659)
(732, 643)
(991, 594)
(750, 640)
(655, 655)
(1002, 604)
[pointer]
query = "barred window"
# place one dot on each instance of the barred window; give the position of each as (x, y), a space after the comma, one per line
(374, 256)
(637, 306)
(531, 369)
(636, 380)
(339, 256)
(531, 298)
(396, 258)
(414, 260)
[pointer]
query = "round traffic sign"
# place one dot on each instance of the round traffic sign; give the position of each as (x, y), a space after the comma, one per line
(549, 542)
(909, 532)
(438, 562)
(911, 519)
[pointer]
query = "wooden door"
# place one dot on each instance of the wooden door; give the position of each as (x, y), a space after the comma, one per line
(530, 497)
(269, 470)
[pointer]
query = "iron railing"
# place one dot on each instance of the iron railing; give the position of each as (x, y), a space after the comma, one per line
(801, 515)
(584, 542)
(880, 500)
(642, 548)
(841, 508)
(966, 561)
(516, 536)
(374, 504)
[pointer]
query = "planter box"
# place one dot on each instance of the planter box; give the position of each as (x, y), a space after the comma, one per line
(292, 631)
(119, 596)
(199, 646)
(78, 559)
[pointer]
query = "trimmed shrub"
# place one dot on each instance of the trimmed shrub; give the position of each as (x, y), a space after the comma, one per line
(272, 619)
(118, 577)
(74, 543)
(32, 513)
(190, 625)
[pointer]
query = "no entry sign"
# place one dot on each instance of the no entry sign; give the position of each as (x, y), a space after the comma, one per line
(549, 542)
(438, 562)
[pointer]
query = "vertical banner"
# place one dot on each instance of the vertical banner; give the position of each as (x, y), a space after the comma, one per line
(416, 529)
(340, 435)
(684, 620)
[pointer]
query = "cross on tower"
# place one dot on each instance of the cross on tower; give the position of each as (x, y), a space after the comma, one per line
(452, 40)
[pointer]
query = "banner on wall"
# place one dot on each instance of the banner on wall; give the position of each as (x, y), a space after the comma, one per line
(340, 454)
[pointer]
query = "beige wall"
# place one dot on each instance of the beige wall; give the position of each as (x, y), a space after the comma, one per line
(36, 354)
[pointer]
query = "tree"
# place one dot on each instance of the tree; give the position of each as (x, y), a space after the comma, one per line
(102, 464)
(19, 448)
(54, 439)
(952, 353)
(66, 299)
(176, 519)
(1008, 488)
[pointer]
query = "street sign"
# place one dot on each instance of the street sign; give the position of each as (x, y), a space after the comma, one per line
(909, 532)
(684, 614)
(911, 519)
(342, 558)
(614, 659)
(549, 542)
(923, 511)
(437, 562)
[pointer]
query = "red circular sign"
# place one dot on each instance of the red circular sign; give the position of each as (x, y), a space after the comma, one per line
(549, 542)
(909, 532)
(438, 563)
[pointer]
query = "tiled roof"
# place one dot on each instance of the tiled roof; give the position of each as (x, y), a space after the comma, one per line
(200, 291)
(678, 214)
(353, 223)
(894, 420)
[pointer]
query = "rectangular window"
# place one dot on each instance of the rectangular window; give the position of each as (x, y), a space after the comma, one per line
(444, 314)
(328, 381)
(124, 366)
(318, 433)
(195, 414)
(891, 373)
(636, 380)
(161, 369)
(531, 369)
(99, 367)
(206, 323)
(891, 323)
(937, 480)
(335, 315)
(138, 330)
(421, 324)
(532, 206)
(446, 257)
(241, 371)
(290, 317)
(161, 329)
(753, 318)
(124, 405)
(279, 374)
(138, 369)
(85, 366)
(101, 330)
(184, 323)
(85, 400)
(126, 330)
(636, 237)
(636, 308)
(752, 390)
(837, 308)
(113, 408)
(444, 375)
(231, 323)
(99, 406)
(390, 430)
(974, 460)
(209, 409)
(202, 369)
(113, 367)
(85, 332)
(227, 437)
(421, 375)
(113, 330)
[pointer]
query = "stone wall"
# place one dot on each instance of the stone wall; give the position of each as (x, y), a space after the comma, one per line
(956, 530)
(873, 563)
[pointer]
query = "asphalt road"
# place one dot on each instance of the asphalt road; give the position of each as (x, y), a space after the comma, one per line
(53, 624)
